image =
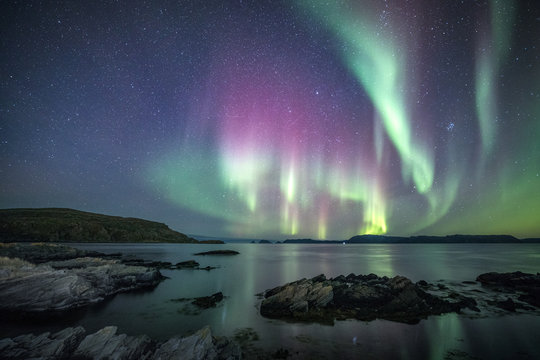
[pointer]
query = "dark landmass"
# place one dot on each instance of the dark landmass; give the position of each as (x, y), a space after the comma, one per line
(369, 297)
(311, 241)
(73, 343)
(531, 240)
(218, 252)
(448, 239)
(67, 225)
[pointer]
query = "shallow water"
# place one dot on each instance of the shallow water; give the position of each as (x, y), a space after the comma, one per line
(263, 266)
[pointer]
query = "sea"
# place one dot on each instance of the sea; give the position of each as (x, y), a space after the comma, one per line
(160, 314)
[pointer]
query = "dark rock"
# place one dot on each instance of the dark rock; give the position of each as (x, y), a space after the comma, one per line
(528, 284)
(206, 302)
(508, 305)
(364, 297)
(219, 252)
(208, 268)
(422, 283)
(513, 279)
(189, 264)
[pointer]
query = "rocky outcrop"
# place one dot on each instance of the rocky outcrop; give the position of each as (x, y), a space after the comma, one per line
(201, 345)
(106, 344)
(38, 253)
(528, 285)
(45, 346)
(363, 297)
(218, 252)
(68, 284)
(68, 225)
(206, 302)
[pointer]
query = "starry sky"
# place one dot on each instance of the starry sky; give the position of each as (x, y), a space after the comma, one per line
(276, 119)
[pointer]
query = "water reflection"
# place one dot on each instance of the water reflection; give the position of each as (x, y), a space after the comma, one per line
(260, 267)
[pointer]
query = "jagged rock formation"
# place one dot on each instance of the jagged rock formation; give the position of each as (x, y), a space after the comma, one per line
(363, 297)
(67, 284)
(106, 344)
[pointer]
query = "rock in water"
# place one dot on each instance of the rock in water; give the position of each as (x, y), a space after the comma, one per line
(28, 288)
(189, 264)
(528, 284)
(219, 252)
(364, 297)
(206, 302)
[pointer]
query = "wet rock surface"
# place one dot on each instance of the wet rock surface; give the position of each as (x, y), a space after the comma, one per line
(206, 302)
(67, 284)
(73, 343)
(368, 297)
(363, 297)
(526, 285)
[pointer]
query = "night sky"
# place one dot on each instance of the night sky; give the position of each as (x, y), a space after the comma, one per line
(276, 119)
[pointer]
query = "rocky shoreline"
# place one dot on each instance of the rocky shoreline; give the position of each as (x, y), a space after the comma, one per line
(370, 297)
(49, 278)
(67, 284)
(73, 343)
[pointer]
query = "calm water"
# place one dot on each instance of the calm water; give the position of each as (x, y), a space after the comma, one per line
(261, 266)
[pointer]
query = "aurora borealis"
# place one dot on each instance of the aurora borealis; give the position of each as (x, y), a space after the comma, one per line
(276, 119)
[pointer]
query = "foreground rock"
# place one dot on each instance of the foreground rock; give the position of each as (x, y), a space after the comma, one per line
(219, 252)
(67, 284)
(106, 344)
(363, 297)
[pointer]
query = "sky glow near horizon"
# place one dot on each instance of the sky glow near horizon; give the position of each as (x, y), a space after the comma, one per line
(291, 119)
